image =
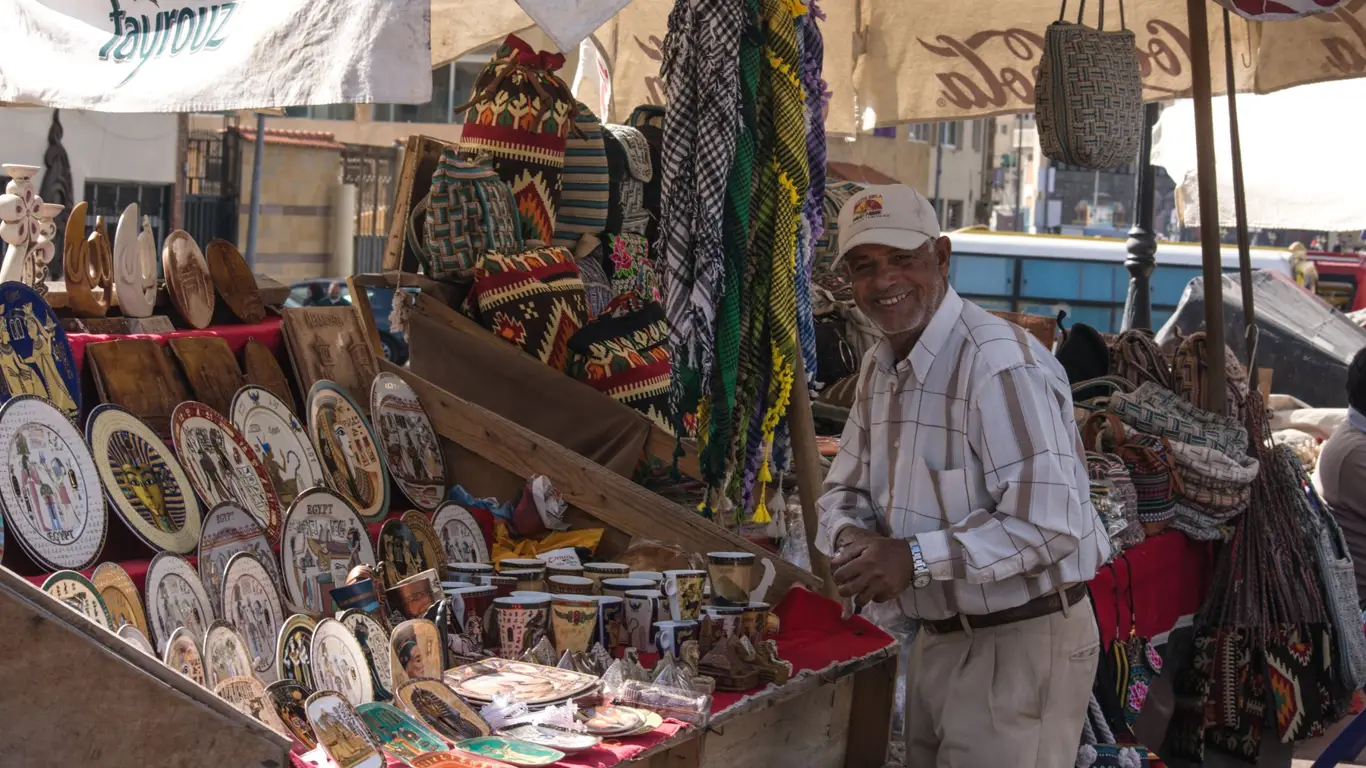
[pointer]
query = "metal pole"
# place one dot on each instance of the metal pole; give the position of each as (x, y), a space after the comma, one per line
(1239, 202)
(1019, 173)
(939, 170)
(1142, 244)
(255, 212)
(1209, 202)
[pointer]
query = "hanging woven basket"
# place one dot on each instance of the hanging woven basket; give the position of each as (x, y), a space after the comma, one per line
(1278, 10)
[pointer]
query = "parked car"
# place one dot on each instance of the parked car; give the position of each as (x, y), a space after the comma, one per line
(324, 292)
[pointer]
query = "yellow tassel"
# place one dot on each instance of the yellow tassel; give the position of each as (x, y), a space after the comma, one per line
(765, 477)
(761, 509)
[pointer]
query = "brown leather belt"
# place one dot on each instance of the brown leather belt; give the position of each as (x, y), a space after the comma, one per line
(1039, 606)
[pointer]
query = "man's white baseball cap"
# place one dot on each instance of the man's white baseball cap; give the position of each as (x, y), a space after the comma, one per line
(893, 214)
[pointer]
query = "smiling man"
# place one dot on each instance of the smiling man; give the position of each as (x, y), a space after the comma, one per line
(960, 495)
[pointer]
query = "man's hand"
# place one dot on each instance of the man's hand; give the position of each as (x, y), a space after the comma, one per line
(873, 568)
(852, 539)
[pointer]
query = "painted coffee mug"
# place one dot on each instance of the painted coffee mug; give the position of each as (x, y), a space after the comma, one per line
(671, 635)
(753, 622)
(474, 608)
(652, 576)
(641, 607)
(612, 622)
(469, 572)
(504, 584)
(563, 569)
(520, 564)
(725, 622)
(569, 585)
(620, 587)
(732, 577)
(599, 571)
(521, 623)
(573, 620)
(684, 589)
(528, 579)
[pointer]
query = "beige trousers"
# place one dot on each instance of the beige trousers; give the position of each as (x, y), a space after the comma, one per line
(1013, 695)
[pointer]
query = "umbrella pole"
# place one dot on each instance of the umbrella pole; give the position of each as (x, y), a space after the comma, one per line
(1239, 201)
(1209, 201)
(1142, 244)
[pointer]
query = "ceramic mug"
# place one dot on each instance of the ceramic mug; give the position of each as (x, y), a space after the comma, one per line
(671, 635)
(732, 576)
(528, 579)
(468, 572)
(641, 607)
(620, 587)
(684, 589)
(412, 598)
(473, 609)
(753, 622)
(653, 576)
(521, 623)
(573, 620)
(504, 584)
(520, 564)
(725, 622)
(563, 569)
(569, 585)
(612, 622)
(599, 571)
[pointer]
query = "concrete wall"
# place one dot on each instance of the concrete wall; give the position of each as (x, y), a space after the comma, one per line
(102, 146)
(906, 161)
(298, 188)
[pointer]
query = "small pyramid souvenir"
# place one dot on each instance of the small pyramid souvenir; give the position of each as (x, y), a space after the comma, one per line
(634, 670)
(543, 652)
(725, 663)
(600, 657)
(614, 677)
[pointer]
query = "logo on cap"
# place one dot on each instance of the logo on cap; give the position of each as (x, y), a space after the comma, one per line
(868, 206)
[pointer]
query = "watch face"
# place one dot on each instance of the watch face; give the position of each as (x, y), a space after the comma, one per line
(921, 581)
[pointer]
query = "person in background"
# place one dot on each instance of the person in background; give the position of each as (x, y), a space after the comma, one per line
(334, 296)
(1341, 473)
(960, 497)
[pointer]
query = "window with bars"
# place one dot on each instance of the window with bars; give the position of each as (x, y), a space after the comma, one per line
(920, 132)
(109, 198)
(949, 133)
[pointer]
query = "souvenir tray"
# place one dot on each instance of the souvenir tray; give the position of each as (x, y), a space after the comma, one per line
(411, 448)
(288, 698)
(531, 684)
(249, 697)
(339, 663)
(175, 598)
(343, 734)
(399, 734)
(120, 596)
(279, 439)
(567, 742)
(352, 463)
(251, 603)
(227, 530)
(434, 703)
(421, 526)
(321, 541)
(415, 651)
(221, 466)
(78, 594)
(35, 357)
(183, 655)
(53, 503)
(293, 649)
(611, 721)
(374, 642)
(519, 753)
(144, 481)
(134, 637)
(462, 540)
(454, 760)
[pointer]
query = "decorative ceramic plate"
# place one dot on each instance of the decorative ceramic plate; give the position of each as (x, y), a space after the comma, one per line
(145, 483)
(175, 598)
(225, 654)
(421, 526)
(79, 595)
(436, 704)
(183, 655)
(229, 529)
(251, 604)
(530, 684)
(53, 503)
(352, 465)
(567, 742)
(399, 734)
(415, 651)
(35, 357)
(279, 440)
(342, 733)
(294, 649)
(400, 551)
(187, 279)
(461, 537)
(134, 637)
(610, 721)
(652, 721)
(339, 663)
(120, 596)
(374, 641)
(411, 448)
(289, 697)
(519, 753)
(454, 760)
(321, 541)
(222, 467)
(249, 697)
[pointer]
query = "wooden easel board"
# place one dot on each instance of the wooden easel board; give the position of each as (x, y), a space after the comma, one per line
(420, 157)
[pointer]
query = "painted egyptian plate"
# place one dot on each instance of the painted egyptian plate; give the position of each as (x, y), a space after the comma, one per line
(352, 465)
(251, 604)
(433, 702)
(79, 595)
(120, 596)
(134, 637)
(294, 651)
(344, 736)
(183, 655)
(415, 651)
(248, 696)
(53, 503)
(35, 357)
(339, 663)
(519, 753)
(321, 541)
(462, 540)
(279, 440)
(175, 598)
(187, 279)
(225, 654)
(374, 641)
(400, 551)
(227, 530)
(221, 466)
(567, 742)
(611, 721)
(145, 483)
(453, 760)
(289, 697)
(527, 683)
(421, 526)
(411, 448)
(399, 734)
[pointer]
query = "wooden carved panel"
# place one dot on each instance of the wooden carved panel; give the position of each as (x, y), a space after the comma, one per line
(327, 343)
(135, 374)
(234, 282)
(211, 370)
(260, 367)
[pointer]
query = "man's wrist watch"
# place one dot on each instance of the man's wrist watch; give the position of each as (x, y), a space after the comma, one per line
(920, 575)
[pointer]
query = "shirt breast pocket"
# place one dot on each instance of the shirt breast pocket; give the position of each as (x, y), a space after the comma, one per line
(939, 497)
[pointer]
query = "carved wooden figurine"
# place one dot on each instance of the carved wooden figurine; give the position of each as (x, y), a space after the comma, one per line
(135, 264)
(26, 223)
(89, 277)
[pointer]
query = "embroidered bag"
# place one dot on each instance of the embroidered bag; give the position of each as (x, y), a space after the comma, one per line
(624, 352)
(1158, 411)
(469, 211)
(629, 267)
(1089, 94)
(629, 169)
(1140, 662)
(583, 205)
(1114, 497)
(534, 300)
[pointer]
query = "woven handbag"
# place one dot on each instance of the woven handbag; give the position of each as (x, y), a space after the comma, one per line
(1190, 367)
(1136, 357)
(1155, 410)
(468, 212)
(1089, 97)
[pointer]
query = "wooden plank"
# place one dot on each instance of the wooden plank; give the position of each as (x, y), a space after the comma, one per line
(612, 499)
(420, 156)
(870, 719)
(807, 457)
(78, 695)
(810, 731)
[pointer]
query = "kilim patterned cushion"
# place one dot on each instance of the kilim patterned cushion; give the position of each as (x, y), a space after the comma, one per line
(630, 268)
(625, 354)
(470, 212)
(630, 168)
(519, 114)
(583, 207)
(534, 300)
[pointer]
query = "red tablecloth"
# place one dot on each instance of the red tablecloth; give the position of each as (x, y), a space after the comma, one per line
(267, 332)
(1171, 576)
